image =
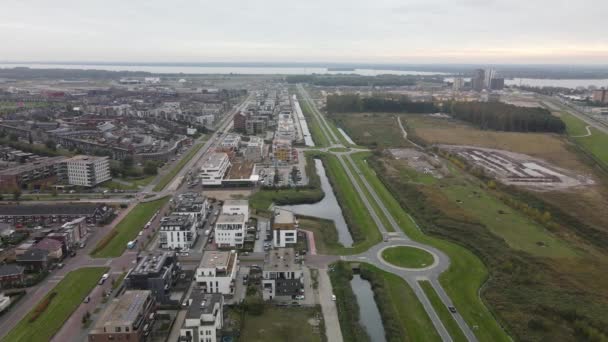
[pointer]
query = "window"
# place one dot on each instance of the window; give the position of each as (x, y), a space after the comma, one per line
(117, 329)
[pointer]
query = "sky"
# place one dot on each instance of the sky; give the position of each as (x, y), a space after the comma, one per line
(378, 31)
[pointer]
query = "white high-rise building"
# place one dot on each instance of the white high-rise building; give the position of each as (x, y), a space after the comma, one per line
(490, 74)
(458, 83)
(87, 170)
(214, 169)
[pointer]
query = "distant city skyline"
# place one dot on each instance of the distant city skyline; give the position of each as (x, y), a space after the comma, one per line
(384, 31)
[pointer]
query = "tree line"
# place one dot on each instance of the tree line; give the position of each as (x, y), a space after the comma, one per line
(352, 80)
(353, 103)
(506, 117)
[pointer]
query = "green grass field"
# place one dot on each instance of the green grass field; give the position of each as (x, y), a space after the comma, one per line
(325, 232)
(403, 303)
(282, 324)
(128, 228)
(70, 292)
(466, 273)
(517, 230)
(175, 170)
(408, 257)
(133, 184)
(444, 314)
(595, 144)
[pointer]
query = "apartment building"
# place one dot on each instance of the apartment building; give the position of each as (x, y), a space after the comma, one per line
(36, 172)
(177, 232)
(284, 228)
(85, 170)
(282, 275)
(126, 318)
(231, 225)
(204, 318)
(214, 169)
(192, 203)
(156, 272)
(217, 271)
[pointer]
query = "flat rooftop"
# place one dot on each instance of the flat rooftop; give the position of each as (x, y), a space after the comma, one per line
(202, 304)
(236, 203)
(216, 259)
(152, 263)
(228, 218)
(281, 260)
(176, 220)
(283, 216)
(214, 161)
(123, 311)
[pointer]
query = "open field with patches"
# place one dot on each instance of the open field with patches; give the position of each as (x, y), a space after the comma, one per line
(279, 324)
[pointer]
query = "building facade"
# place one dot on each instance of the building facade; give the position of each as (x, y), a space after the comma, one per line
(204, 319)
(177, 232)
(156, 272)
(214, 169)
(216, 272)
(284, 228)
(87, 170)
(282, 275)
(126, 318)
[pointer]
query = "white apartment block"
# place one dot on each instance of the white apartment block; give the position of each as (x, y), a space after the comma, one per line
(214, 169)
(178, 232)
(87, 170)
(233, 207)
(230, 230)
(205, 316)
(217, 272)
(284, 228)
(282, 275)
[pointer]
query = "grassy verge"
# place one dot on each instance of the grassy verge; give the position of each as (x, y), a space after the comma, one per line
(127, 229)
(175, 170)
(133, 184)
(361, 225)
(409, 257)
(326, 235)
(283, 324)
(443, 312)
(346, 303)
(68, 294)
(314, 125)
(403, 316)
(466, 273)
(385, 222)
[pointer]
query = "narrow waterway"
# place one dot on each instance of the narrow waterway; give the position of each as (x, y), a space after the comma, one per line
(328, 208)
(369, 315)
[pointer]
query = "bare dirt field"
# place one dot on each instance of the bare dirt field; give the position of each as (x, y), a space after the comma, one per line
(519, 169)
(420, 161)
(552, 148)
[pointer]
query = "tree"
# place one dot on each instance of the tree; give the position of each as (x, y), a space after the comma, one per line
(277, 177)
(150, 168)
(16, 194)
(50, 144)
(127, 163)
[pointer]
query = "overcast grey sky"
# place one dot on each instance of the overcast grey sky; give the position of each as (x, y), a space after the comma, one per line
(405, 31)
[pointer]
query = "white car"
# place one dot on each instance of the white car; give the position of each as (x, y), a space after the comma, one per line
(333, 297)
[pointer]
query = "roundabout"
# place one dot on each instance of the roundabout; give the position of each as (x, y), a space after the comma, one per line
(410, 258)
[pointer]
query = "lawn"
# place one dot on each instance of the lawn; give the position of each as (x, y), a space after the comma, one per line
(262, 199)
(396, 299)
(444, 314)
(291, 324)
(177, 168)
(127, 184)
(70, 292)
(466, 273)
(594, 144)
(408, 257)
(127, 229)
